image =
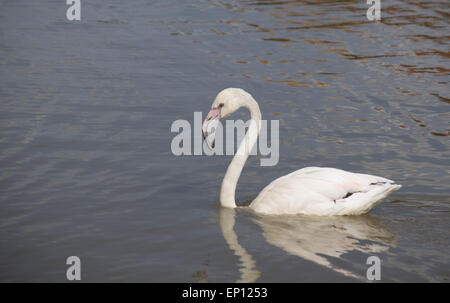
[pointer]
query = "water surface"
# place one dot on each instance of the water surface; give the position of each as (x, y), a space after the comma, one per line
(86, 167)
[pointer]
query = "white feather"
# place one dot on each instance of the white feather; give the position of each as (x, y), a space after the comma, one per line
(322, 191)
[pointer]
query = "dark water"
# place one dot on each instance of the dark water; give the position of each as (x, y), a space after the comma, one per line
(86, 167)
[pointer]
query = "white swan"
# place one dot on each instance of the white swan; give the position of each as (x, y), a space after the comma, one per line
(310, 191)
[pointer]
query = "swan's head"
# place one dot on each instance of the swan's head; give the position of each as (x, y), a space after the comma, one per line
(226, 103)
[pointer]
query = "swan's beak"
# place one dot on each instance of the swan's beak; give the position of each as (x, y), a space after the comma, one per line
(210, 125)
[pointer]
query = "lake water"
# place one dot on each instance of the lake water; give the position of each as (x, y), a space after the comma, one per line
(86, 167)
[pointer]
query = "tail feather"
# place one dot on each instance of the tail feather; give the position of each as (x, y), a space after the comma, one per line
(361, 202)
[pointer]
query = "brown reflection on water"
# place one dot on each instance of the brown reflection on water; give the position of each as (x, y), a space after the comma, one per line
(402, 21)
(443, 99)
(328, 44)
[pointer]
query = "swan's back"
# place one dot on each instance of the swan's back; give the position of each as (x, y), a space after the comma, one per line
(323, 191)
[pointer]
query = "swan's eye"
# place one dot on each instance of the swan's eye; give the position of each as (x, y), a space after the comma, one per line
(220, 105)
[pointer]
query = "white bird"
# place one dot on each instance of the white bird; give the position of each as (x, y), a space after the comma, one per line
(319, 191)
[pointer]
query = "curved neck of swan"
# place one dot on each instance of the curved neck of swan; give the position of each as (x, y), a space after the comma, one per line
(228, 189)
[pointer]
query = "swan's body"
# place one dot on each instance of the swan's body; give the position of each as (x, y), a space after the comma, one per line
(323, 191)
(310, 190)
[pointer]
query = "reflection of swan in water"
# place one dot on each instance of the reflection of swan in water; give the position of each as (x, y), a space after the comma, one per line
(315, 238)
(226, 221)
(312, 238)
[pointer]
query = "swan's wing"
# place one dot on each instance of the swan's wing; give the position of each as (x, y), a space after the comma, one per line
(323, 191)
